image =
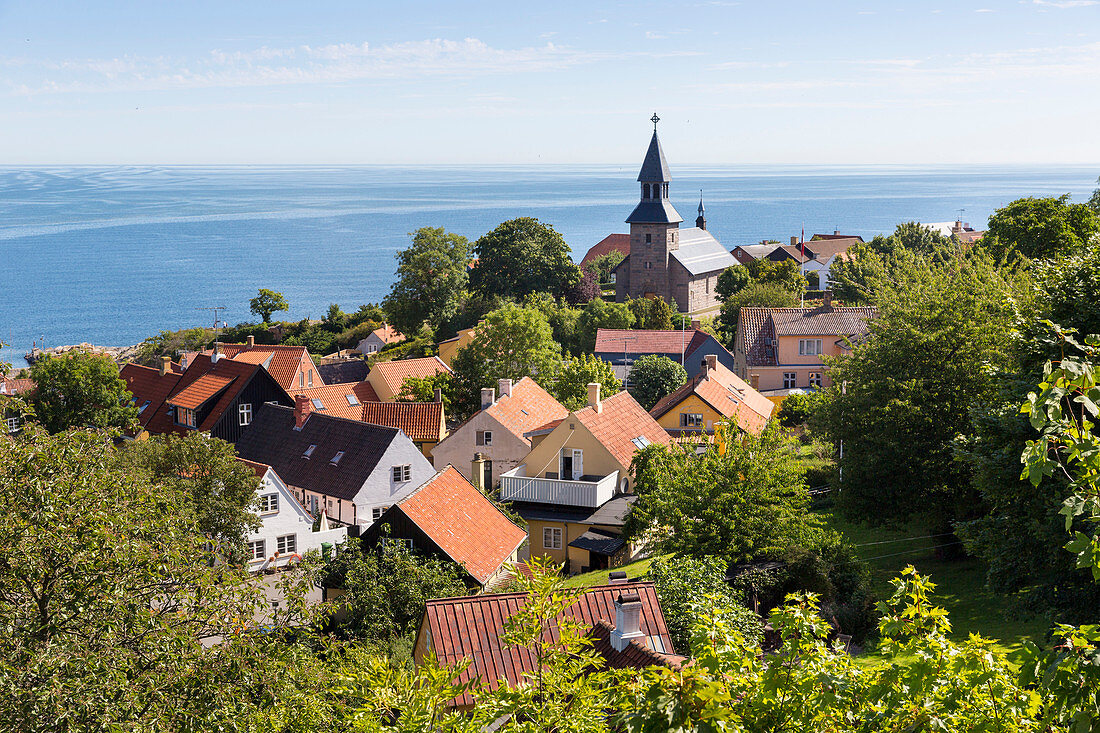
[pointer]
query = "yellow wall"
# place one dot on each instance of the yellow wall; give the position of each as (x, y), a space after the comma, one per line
(694, 405)
(449, 348)
(597, 461)
(772, 377)
(534, 531)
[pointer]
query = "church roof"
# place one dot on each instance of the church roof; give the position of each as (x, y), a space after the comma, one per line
(700, 252)
(654, 167)
(654, 212)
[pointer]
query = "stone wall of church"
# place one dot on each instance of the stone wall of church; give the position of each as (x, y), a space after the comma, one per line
(649, 261)
(693, 293)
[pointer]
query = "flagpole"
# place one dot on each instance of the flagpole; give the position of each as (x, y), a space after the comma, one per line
(802, 264)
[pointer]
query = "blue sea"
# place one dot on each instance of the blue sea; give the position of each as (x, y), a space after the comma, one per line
(110, 255)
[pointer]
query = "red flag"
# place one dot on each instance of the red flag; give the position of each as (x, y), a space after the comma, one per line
(803, 241)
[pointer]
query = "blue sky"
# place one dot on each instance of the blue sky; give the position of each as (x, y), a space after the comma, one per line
(754, 83)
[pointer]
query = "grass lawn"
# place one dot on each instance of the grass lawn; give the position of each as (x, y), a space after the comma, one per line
(960, 584)
(599, 577)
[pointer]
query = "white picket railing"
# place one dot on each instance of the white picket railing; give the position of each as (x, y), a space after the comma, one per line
(515, 485)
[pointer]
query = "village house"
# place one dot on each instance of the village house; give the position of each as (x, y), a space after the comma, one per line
(679, 265)
(959, 229)
(746, 253)
(688, 347)
(578, 464)
(449, 518)
(351, 470)
(780, 349)
(378, 339)
(291, 366)
(448, 348)
(817, 255)
(611, 243)
(286, 531)
(11, 387)
(342, 371)
(387, 377)
(494, 436)
(715, 395)
(625, 622)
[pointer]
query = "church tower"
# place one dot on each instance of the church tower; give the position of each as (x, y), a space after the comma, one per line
(701, 220)
(654, 226)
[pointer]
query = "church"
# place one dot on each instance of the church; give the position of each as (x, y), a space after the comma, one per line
(679, 265)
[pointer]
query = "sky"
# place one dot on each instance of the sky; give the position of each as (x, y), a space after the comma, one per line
(518, 82)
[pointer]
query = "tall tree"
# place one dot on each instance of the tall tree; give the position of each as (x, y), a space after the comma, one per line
(601, 314)
(1042, 227)
(81, 389)
(1094, 200)
(578, 373)
(523, 256)
(771, 295)
(267, 302)
(653, 314)
(432, 275)
(652, 377)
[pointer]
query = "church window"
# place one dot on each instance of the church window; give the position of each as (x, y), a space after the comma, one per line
(649, 265)
(645, 190)
(648, 238)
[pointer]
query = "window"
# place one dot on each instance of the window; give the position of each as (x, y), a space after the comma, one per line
(648, 238)
(484, 437)
(13, 424)
(352, 400)
(815, 379)
(402, 473)
(256, 550)
(377, 512)
(309, 452)
(645, 190)
(551, 538)
(809, 347)
(245, 413)
(691, 420)
(301, 379)
(403, 542)
(641, 442)
(648, 265)
(789, 380)
(286, 544)
(185, 416)
(143, 406)
(269, 503)
(317, 404)
(310, 377)
(336, 458)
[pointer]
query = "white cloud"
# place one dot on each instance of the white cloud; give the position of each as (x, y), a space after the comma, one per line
(1066, 3)
(984, 10)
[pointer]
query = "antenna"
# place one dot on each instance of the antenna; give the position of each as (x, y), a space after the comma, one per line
(214, 308)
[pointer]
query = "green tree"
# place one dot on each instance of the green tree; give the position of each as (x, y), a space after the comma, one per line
(604, 264)
(578, 373)
(80, 389)
(222, 490)
(317, 340)
(422, 389)
(1042, 227)
(1094, 200)
(335, 320)
(770, 295)
(653, 314)
(267, 302)
(652, 377)
(512, 343)
(561, 317)
(432, 276)
(601, 314)
(741, 498)
(523, 256)
(731, 280)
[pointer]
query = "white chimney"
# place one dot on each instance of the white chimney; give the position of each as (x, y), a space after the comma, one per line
(488, 397)
(628, 620)
(594, 396)
(504, 387)
(711, 363)
(217, 355)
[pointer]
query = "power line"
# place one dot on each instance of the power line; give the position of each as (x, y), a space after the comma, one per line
(910, 552)
(905, 539)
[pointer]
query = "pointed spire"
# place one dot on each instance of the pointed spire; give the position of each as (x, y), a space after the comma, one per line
(654, 167)
(701, 209)
(701, 220)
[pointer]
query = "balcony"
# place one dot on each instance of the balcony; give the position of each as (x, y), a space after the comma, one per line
(589, 491)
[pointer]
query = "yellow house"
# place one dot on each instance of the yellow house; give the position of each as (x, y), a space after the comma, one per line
(387, 377)
(780, 349)
(450, 347)
(715, 395)
(572, 488)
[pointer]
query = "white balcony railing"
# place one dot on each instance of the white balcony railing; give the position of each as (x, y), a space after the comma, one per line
(516, 485)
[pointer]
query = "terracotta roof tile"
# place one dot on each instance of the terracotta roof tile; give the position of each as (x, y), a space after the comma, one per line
(638, 341)
(607, 245)
(471, 628)
(420, 421)
(394, 373)
(463, 523)
(388, 334)
(239, 373)
(334, 398)
(731, 396)
(756, 325)
(286, 361)
(528, 407)
(149, 388)
(199, 391)
(636, 655)
(620, 421)
(11, 386)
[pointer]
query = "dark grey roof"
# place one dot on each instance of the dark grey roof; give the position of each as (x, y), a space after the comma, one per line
(654, 167)
(700, 252)
(654, 212)
(272, 439)
(757, 251)
(341, 372)
(599, 542)
(550, 512)
(612, 513)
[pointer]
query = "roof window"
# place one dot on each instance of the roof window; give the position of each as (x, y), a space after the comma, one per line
(317, 404)
(352, 399)
(640, 442)
(336, 458)
(143, 406)
(309, 452)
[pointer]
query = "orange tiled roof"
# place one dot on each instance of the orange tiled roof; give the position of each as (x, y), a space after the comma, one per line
(636, 655)
(607, 245)
(239, 373)
(10, 386)
(639, 341)
(148, 386)
(463, 523)
(618, 423)
(334, 398)
(195, 394)
(260, 469)
(394, 373)
(284, 365)
(728, 394)
(388, 334)
(528, 407)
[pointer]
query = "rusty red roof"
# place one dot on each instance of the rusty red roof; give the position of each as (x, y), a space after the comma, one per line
(199, 391)
(282, 362)
(420, 421)
(636, 655)
(334, 398)
(639, 341)
(471, 628)
(607, 245)
(387, 334)
(149, 388)
(240, 375)
(528, 407)
(9, 386)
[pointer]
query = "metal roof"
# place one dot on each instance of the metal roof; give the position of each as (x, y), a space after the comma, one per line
(599, 542)
(654, 212)
(654, 167)
(700, 252)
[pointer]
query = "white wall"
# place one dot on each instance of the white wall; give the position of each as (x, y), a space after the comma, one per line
(290, 518)
(380, 488)
(458, 448)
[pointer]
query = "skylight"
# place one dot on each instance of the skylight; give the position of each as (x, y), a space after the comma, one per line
(640, 442)
(309, 451)
(336, 458)
(317, 404)
(352, 399)
(143, 406)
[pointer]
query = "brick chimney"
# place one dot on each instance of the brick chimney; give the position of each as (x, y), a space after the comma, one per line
(710, 363)
(488, 397)
(438, 394)
(302, 408)
(594, 396)
(504, 387)
(754, 381)
(616, 577)
(696, 324)
(165, 365)
(628, 620)
(251, 341)
(827, 298)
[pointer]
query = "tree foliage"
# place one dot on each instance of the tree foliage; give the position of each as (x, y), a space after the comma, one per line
(431, 281)
(601, 314)
(578, 373)
(771, 295)
(523, 256)
(652, 377)
(422, 389)
(266, 303)
(83, 390)
(1042, 227)
(652, 314)
(604, 264)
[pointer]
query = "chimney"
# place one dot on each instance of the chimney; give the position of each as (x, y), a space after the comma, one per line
(594, 396)
(616, 577)
(711, 362)
(504, 387)
(302, 408)
(477, 471)
(754, 381)
(251, 341)
(836, 232)
(828, 299)
(217, 355)
(488, 397)
(696, 324)
(165, 365)
(628, 620)
(794, 241)
(438, 394)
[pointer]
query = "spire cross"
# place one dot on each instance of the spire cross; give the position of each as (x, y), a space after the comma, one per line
(654, 119)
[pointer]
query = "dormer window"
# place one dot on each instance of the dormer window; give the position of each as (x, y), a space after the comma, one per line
(352, 400)
(317, 404)
(309, 452)
(336, 458)
(143, 406)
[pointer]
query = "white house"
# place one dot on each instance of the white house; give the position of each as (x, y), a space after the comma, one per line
(287, 530)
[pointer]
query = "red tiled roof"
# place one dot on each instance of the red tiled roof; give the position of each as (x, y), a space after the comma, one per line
(285, 362)
(728, 394)
(463, 523)
(638, 341)
(422, 421)
(636, 655)
(334, 397)
(147, 385)
(16, 386)
(607, 245)
(471, 628)
(239, 373)
(260, 469)
(394, 373)
(198, 392)
(528, 407)
(820, 237)
(755, 325)
(388, 334)
(621, 420)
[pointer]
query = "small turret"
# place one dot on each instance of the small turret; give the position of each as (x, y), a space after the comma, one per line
(701, 220)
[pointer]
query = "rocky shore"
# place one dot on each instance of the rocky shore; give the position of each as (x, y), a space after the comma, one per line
(118, 353)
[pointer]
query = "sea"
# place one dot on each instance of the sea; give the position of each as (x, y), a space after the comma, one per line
(111, 255)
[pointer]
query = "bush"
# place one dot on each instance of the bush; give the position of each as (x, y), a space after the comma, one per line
(796, 409)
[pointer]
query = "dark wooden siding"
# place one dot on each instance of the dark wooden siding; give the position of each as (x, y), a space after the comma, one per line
(401, 527)
(260, 389)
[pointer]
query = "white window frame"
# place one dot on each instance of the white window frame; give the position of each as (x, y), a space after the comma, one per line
(484, 437)
(790, 380)
(377, 512)
(185, 417)
(257, 550)
(401, 473)
(310, 377)
(269, 503)
(815, 379)
(809, 347)
(286, 544)
(553, 534)
(12, 424)
(244, 410)
(691, 419)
